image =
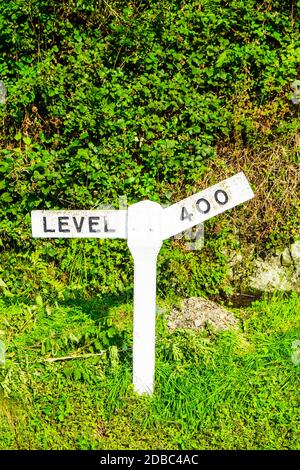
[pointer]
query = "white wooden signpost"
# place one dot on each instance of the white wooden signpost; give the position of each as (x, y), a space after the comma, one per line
(145, 225)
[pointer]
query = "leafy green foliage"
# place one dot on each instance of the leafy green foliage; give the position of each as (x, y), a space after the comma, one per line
(106, 99)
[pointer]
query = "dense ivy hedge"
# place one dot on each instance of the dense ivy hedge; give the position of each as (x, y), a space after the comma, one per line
(106, 99)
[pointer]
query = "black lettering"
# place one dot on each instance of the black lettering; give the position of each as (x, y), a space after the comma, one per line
(106, 229)
(185, 214)
(203, 201)
(61, 223)
(78, 226)
(93, 221)
(46, 230)
(224, 197)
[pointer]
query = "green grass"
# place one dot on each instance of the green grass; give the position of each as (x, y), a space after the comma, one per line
(231, 390)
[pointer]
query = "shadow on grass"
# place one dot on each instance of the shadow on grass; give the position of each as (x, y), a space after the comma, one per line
(71, 325)
(100, 307)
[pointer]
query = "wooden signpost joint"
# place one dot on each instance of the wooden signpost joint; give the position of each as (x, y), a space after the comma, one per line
(145, 225)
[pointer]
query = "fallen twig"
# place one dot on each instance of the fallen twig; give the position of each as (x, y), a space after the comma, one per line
(67, 358)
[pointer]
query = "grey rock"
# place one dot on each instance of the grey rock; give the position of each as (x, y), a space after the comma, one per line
(286, 258)
(280, 272)
(295, 251)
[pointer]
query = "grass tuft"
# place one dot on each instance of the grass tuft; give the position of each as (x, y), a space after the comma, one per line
(231, 390)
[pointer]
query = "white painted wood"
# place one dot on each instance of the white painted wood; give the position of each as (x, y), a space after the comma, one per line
(79, 224)
(213, 201)
(144, 242)
(145, 225)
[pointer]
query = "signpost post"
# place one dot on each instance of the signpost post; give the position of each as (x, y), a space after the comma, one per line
(145, 225)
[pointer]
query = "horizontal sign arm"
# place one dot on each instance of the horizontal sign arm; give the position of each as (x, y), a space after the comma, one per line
(114, 223)
(79, 224)
(206, 204)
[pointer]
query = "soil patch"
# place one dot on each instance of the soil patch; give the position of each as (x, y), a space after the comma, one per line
(198, 313)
